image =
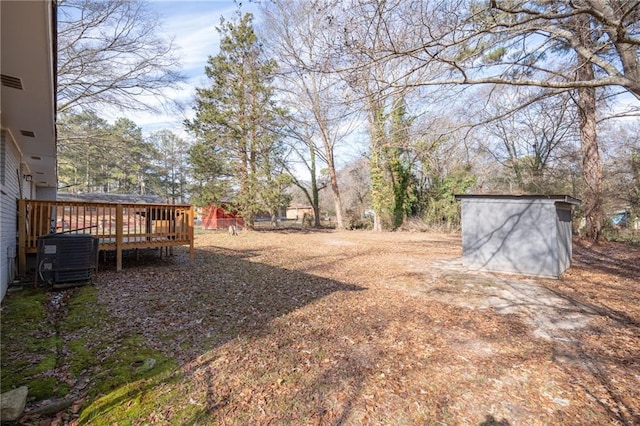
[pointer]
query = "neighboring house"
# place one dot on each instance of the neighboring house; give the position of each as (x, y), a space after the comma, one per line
(297, 212)
(28, 135)
(220, 216)
(624, 219)
(110, 198)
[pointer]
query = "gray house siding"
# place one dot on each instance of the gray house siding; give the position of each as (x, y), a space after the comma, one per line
(9, 193)
(524, 235)
(28, 133)
(45, 193)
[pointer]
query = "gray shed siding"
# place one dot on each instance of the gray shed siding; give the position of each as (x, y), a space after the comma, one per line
(524, 235)
(565, 248)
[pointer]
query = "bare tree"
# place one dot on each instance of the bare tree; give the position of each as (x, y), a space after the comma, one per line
(356, 182)
(303, 152)
(111, 54)
(302, 35)
(372, 76)
(576, 46)
(622, 166)
(532, 140)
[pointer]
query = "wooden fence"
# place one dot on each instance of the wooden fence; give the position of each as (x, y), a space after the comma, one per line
(116, 226)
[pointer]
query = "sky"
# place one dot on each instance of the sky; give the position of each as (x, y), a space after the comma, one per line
(191, 25)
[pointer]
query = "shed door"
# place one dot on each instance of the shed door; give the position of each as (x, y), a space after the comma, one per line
(564, 237)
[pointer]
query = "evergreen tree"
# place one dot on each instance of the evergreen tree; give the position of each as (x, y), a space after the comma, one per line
(211, 179)
(236, 119)
(82, 151)
(171, 170)
(129, 163)
(94, 156)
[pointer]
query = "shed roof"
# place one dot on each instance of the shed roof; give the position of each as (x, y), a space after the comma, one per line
(553, 198)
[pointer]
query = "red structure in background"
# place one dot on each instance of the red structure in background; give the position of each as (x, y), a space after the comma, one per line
(220, 217)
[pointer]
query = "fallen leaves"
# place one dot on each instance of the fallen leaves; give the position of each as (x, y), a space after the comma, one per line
(378, 328)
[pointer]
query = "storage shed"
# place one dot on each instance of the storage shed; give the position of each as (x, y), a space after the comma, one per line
(526, 234)
(220, 217)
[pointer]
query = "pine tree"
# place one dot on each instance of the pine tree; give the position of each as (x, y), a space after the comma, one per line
(171, 169)
(95, 156)
(236, 119)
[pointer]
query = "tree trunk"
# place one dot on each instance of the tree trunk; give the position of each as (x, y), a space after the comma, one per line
(315, 198)
(337, 201)
(381, 190)
(591, 164)
(377, 222)
(333, 179)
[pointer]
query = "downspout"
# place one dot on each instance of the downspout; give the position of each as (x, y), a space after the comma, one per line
(54, 48)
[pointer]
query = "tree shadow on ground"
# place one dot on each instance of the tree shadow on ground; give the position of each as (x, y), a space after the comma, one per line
(610, 258)
(295, 230)
(492, 421)
(185, 309)
(604, 283)
(590, 315)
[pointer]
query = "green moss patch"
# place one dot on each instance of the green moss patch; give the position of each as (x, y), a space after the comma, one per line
(129, 403)
(28, 342)
(61, 344)
(131, 362)
(45, 387)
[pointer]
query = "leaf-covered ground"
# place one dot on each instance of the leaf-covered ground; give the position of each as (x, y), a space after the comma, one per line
(334, 327)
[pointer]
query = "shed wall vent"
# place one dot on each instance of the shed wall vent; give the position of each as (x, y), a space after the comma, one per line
(11, 81)
(28, 133)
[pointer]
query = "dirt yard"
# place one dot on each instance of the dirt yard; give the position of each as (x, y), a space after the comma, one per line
(375, 328)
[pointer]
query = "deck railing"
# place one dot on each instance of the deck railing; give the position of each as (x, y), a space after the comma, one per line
(117, 227)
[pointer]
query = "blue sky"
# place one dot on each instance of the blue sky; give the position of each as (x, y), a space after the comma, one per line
(191, 24)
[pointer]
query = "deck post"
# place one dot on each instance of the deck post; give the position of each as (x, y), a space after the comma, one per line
(190, 225)
(119, 234)
(22, 237)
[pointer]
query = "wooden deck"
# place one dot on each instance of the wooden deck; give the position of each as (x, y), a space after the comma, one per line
(117, 227)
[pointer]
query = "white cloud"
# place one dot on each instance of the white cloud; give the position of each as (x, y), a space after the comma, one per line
(192, 26)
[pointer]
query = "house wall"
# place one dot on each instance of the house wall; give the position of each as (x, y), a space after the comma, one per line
(511, 235)
(9, 193)
(12, 187)
(45, 193)
(296, 213)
